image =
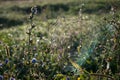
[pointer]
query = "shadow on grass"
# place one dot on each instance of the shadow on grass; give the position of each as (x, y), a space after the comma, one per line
(101, 7)
(54, 10)
(50, 7)
(72, 7)
(6, 23)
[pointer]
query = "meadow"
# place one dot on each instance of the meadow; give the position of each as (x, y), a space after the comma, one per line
(60, 40)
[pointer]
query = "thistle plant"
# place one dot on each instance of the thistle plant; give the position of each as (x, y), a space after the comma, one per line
(32, 26)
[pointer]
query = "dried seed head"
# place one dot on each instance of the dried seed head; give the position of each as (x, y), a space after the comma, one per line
(34, 10)
(33, 25)
(105, 18)
(31, 41)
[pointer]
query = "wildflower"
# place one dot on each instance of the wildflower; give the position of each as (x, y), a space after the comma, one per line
(6, 61)
(34, 60)
(10, 35)
(78, 78)
(23, 58)
(1, 77)
(34, 48)
(37, 41)
(12, 78)
(67, 78)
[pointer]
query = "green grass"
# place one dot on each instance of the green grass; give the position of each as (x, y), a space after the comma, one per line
(63, 44)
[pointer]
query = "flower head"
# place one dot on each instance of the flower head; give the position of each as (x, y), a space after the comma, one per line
(34, 48)
(12, 78)
(67, 78)
(6, 61)
(34, 60)
(1, 77)
(78, 78)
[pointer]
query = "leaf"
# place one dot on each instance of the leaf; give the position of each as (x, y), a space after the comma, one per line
(59, 75)
(82, 77)
(88, 61)
(78, 48)
(76, 65)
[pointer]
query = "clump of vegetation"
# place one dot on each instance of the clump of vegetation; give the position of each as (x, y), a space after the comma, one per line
(103, 53)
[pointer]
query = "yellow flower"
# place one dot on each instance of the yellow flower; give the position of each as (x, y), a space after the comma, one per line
(78, 78)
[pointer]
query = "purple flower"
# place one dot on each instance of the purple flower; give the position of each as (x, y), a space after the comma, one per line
(67, 78)
(34, 49)
(34, 60)
(1, 77)
(12, 78)
(36, 54)
(6, 61)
